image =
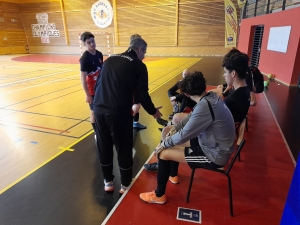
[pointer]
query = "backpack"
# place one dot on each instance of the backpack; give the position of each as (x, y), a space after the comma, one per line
(257, 79)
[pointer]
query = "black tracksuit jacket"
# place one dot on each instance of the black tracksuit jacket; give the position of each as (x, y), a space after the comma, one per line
(122, 78)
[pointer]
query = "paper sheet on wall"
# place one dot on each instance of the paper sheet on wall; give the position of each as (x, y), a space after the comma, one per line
(279, 38)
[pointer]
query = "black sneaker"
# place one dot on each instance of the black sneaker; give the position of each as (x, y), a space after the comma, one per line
(151, 167)
(162, 122)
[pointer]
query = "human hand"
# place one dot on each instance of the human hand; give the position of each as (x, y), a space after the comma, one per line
(173, 98)
(158, 114)
(89, 99)
(171, 132)
(159, 148)
(135, 109)
(228, 88)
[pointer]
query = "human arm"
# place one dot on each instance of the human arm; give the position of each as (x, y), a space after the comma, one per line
(253, 101)
(198, 121)
(173, 90)
(219, 90)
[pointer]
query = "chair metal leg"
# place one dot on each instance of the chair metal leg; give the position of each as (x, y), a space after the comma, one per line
(239, 156)
(190, 186)
(230, 195)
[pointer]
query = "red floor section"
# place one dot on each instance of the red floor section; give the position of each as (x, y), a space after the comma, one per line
(260, 184)
(65, 59)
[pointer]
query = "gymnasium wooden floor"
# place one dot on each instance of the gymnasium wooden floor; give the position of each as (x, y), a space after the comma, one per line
(43, 112)
(50, 172)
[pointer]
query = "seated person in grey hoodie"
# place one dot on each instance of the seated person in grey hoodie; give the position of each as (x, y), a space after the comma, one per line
(205, 138)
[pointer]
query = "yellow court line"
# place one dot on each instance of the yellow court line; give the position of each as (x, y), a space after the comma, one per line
(151, 91)
(44, 163)
(71, 145)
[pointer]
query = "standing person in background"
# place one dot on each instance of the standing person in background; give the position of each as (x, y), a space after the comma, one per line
(90, 66)
(122, 76)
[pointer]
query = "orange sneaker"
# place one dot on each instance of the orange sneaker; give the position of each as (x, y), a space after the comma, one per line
(174, 180)
(151, 197)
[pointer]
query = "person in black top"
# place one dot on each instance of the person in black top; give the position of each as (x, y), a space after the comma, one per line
(136, 117)
(235, 69)
(122, 75)
(180, 97)
(90, 66)
(227, 89)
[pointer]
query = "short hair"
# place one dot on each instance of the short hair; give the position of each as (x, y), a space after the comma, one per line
(236, 61)
(232, 51)
(137, 43)
(194, 84)
(134, 36)
(86, 35)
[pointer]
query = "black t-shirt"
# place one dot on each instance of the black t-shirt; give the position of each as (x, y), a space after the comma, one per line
(122, 77)
(91, 64)
(238, 103)
(249, 80)
(173, 90)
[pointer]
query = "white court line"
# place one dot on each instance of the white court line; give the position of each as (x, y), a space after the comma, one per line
(33, 78)
(37, 85)
(31, 67)
(287, 146)
(125, 193)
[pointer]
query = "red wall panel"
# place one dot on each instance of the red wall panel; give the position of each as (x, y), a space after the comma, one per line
(296, 72)
(283, 65)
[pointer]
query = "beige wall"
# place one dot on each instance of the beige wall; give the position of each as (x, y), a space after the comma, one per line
(12, 35)
(191, 27)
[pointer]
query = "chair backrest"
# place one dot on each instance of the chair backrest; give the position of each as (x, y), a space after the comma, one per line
(241, 130)
(237, 152)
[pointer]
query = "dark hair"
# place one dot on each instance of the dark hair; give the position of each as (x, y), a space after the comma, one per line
(194, 84)
(86, 35)
(232, 51)
(237, 61)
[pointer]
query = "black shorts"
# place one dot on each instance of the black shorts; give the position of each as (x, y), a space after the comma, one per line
(92, 103)
(195, 157)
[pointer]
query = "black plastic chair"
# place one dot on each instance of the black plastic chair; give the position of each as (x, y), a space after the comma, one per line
(225, 172)
(240, 130)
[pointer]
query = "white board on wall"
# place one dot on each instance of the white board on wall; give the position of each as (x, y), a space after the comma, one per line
(279, 38)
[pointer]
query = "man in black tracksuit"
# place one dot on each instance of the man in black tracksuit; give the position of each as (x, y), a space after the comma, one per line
(121, 76)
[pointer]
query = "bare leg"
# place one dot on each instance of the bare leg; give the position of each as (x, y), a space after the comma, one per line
(165, 131)
(178, 117)
(175, 154)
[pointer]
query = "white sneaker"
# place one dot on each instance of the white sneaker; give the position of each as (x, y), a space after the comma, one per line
(123, 189)
(109, 186)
